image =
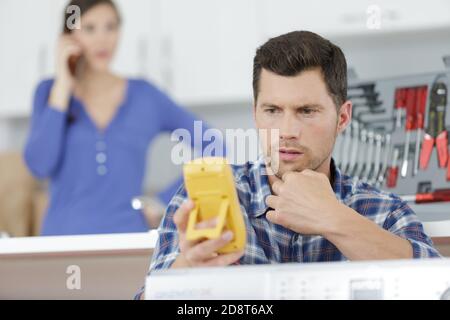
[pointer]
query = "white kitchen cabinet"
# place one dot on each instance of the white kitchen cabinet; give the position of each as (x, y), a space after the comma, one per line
(28, 44)
(139, 46)
(199, 51)
(28, 30)
(207, 48)
(354, 17)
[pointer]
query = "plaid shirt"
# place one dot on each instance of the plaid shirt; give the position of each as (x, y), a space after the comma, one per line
(271, 243)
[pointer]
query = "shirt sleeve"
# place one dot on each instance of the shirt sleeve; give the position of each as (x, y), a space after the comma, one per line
(404, 223)
(45, 141)
(166, 248)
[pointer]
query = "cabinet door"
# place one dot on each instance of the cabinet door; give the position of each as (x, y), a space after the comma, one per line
(348, 18)
(29, 43)
(27, 31)
(207, 49)
(240, 36)
(139, 43)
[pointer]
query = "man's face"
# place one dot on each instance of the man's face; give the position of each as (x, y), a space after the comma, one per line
(301, 108)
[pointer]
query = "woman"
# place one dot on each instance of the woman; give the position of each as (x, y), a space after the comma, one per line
(91, 128)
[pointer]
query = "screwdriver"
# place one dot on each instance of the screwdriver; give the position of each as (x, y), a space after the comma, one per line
(392, 172)
(421, 103)
(399, 105)
(409, 126)
(439, 195)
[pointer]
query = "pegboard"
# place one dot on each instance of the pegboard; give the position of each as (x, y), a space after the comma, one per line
(374, 118)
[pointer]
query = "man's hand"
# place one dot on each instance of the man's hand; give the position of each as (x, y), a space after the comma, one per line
(201, 253)
(304, 202)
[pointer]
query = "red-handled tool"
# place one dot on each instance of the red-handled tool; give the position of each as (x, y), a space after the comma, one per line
(399, 105)
(409, 126)
(436, 131)
(392, 171)
(439, 195)
(421, 104)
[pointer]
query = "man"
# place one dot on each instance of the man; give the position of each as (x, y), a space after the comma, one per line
(308, 211)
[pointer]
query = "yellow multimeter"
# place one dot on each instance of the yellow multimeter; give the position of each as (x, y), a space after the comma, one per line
(210, 185)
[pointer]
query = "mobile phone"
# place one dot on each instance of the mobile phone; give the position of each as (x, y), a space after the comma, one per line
(210, 185)
(73, 63)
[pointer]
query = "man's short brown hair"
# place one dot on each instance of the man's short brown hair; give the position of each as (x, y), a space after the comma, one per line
(294, 52)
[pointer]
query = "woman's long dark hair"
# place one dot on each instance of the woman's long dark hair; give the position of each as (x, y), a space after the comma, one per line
(85, 5)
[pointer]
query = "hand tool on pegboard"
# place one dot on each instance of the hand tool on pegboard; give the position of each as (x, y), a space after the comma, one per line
(345, 148)
(421, 104)
(384, 166)
(411, 104)
(376, 164)
(399, 106)
(359, 165)
(369, 156)
(351, 137)
(354, 147)
(436, 133)
(439, 195)
(365, 96)
(384, 127)
(367, 88)
(372, 105)
(337, 151)
(392, 171)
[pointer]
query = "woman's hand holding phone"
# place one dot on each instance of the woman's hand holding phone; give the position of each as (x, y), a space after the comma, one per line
(67, 56)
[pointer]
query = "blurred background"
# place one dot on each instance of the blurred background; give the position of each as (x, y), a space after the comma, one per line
(201, 53)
